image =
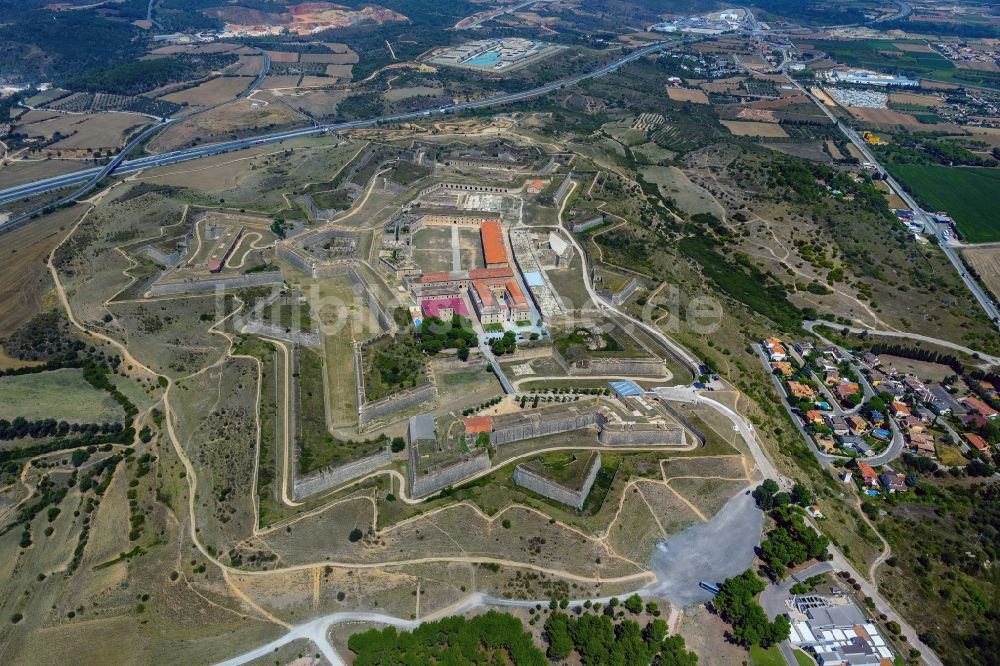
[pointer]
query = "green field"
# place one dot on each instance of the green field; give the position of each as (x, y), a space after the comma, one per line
(769, 657)
(63, 395)
(968, 194)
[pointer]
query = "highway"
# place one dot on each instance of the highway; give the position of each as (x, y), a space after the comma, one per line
(90, 177)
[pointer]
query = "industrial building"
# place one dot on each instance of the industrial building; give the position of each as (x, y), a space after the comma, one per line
(837, 632)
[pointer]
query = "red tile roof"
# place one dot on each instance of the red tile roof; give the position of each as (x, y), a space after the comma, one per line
(431, 278)
(977, 441)
(491, 273)
(494, 250)
(477, 424)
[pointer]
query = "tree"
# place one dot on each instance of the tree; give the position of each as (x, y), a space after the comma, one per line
(463, 353)
(764, 494)
(634, 604)
(398, 444)
(355, 535)
(673, 653)
(736, 604)
(801, 494)
(557, 634)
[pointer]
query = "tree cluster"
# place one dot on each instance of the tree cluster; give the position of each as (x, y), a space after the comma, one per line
(600, 642)
(736, 604)
(436, 335)
(491, 638)
(790, 543)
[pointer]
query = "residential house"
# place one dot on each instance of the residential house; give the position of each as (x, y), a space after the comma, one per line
(925, 415)
(834, 353)
(876, 416)
(912, 424)
(853, 443)
(988, 389)
(899, 410)
(814, 416)
(831, 377)
(877, 377)
(892, 386)
(870, 359)
(801, 391)
(977, 442)
(845, 390)
(804, 348)
(881, 434)
(775, 350)
(858, 425)
(838, 424)
(923, 445)
(825, 365)
(868, 475)
(814, 511)
(894, 482)
(784, 368)
(975, 404)
(918, 388)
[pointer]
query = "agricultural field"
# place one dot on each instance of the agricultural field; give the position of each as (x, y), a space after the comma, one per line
(687, 95)
(985, 261)
(750, 128)
(99, 131)
(968, 194)
(210, 93)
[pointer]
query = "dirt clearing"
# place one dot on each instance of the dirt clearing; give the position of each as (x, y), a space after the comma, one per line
(687, 95)
(747, 128)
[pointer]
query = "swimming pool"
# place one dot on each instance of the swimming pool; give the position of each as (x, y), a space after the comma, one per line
(487, 59)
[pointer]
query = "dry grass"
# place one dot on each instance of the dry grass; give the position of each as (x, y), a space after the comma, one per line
(986, 262)
(280, 81)
(85, 130)
(884, 117)
(687, 95)
(220, 123)
(913, 98)
(348, 58)
(210, 93)
(339, 71)
(282, 56)
(891, 197)
(745, 128)
(24, 278)
(19, 173)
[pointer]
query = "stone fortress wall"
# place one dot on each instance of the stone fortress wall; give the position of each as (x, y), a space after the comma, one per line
(334, 475)
(526, 477)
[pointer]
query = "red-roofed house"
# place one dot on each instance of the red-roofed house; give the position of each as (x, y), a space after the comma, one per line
(899, 409)
(979, 406)
(868, 475)
(977, 442)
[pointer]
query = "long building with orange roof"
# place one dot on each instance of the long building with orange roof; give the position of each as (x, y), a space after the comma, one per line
(494, 248)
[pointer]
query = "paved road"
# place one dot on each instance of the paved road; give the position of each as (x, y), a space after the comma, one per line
(91, 177)
(904, 335)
